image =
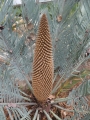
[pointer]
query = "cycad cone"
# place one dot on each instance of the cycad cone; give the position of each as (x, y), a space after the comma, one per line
(43, 68)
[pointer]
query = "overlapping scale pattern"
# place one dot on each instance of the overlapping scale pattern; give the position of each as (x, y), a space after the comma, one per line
(43, 68)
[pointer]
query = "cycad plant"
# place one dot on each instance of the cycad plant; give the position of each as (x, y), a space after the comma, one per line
(49, 62)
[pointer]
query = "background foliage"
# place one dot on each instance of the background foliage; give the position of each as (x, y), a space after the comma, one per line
(70, 30)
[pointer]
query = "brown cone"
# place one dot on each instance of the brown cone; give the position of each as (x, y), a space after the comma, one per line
(43, 68)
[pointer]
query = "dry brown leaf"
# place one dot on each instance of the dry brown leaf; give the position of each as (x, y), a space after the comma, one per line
(33, 36)
(19, 22)
(88, 97)
(65, 113)
(2, 59)
(20, 33)
(59, 18)
(87, 64)
(30, 26)
(51, 97)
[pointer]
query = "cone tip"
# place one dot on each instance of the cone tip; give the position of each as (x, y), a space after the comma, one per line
(44, 15)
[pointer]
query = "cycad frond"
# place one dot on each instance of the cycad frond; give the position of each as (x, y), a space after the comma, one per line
(11, 99)
(43, 67)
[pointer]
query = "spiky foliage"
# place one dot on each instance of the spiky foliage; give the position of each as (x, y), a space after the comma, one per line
(69, 22)
(43, 68)
(86, 117)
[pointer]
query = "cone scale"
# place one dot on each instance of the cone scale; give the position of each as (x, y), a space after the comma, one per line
(43, 68)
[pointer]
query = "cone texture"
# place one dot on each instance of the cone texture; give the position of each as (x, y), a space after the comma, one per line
(43, 68)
